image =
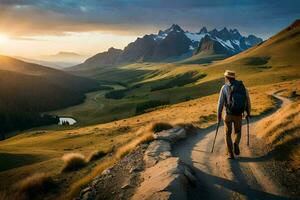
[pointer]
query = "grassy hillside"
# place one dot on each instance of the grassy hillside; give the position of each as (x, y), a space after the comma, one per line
(190, 89)
(154, 84)
(27, 89)
(41, 150)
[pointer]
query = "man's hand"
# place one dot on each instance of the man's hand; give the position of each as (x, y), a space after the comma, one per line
(248, 116)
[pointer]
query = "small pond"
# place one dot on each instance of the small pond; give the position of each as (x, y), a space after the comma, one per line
(66, 121)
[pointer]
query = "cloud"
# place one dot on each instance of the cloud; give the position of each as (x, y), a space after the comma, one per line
(40, 17)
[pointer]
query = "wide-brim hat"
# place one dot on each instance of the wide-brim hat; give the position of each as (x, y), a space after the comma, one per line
(229, 74)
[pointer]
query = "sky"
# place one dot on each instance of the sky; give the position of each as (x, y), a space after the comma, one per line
(30, 28)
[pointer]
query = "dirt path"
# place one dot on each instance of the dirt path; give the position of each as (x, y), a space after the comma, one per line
(220, 178)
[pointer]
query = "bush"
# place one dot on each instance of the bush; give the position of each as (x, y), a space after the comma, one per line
(207, 118)
(37, 184)
(73, 161)
(160, 126)
(98, 154)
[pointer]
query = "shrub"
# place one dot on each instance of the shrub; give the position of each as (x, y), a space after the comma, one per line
(106, 163)
(207, 118)
(98, 154)
(32, 186)
(73, 161)
(160, 126)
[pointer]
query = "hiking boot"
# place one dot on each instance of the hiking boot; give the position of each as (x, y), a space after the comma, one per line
(230, 155)
(236, 149)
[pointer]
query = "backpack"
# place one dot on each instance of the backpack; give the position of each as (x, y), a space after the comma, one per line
(237, 98)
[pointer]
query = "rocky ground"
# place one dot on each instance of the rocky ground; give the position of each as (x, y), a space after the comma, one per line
(149, 172)
(120, 181)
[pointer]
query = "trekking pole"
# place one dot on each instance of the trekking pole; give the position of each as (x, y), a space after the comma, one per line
(212, 149)
(248, 137)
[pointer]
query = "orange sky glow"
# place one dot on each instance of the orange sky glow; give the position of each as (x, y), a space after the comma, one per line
(84, 43)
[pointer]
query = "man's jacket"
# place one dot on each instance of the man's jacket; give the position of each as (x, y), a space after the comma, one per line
(224, 99)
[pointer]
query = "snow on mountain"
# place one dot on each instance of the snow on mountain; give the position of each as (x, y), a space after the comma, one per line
(174, 44)
(230, 39)
(194, 37)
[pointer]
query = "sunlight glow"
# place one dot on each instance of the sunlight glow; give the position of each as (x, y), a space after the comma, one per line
(3, 38)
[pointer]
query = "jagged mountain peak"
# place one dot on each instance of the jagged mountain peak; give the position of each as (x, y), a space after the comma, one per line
(203, 30)
(224, 30)
(175, 43)
(234, 31)
(214, 31)
(174, 27)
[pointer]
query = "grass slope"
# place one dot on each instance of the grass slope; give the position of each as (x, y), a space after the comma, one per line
(275, 60)
(272, 65)
(41, 151)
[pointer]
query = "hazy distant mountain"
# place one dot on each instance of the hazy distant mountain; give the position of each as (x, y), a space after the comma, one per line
(61, 59)
(109, 57)
(67, 54)
(42, 62)
(174, 44)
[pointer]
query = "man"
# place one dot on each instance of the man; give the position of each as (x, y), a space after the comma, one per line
(234, 96)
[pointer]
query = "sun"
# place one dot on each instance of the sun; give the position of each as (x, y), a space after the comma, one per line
(3, 38)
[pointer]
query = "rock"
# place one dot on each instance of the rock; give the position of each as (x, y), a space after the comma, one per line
(125, 186)
(121, 195)
(144, 145)
(164, 179)
(85, 190)
(85, 193)
(165, 155)
(157, 150)
(171, 135)
(95, 182)
(107, 171)
(135, 169)
(85, 197)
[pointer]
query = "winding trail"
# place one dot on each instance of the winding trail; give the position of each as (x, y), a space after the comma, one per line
(220, 178)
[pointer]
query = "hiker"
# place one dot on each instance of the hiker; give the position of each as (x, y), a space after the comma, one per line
(234, 96)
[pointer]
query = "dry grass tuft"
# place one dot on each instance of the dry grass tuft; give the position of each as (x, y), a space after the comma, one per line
(35, 185)
(282, 133)
(98, 154)
(73, 161)
(160, 126)
(125, 149)
(108, 162)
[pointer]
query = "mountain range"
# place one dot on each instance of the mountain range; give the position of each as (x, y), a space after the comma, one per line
(175, 44)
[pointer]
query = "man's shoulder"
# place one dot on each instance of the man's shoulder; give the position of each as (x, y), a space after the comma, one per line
(224, 89)
(225, 86)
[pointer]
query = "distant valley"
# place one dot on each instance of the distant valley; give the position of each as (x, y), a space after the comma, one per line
(28, 89)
